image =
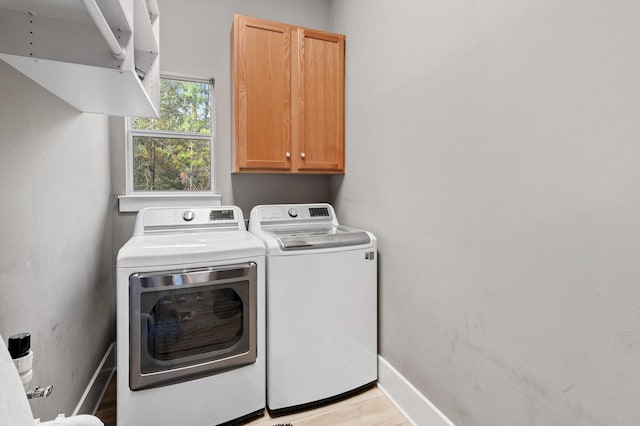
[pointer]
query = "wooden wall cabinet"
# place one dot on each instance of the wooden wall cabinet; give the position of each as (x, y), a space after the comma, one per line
(287, 98)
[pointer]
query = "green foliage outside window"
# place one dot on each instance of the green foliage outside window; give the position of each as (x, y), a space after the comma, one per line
(164, 160)
(168, 164)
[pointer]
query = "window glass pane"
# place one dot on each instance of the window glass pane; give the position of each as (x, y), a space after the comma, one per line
(185, 107)
(168, 164)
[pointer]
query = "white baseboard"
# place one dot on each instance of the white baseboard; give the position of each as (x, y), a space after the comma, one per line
(415, 406)
(94, 392)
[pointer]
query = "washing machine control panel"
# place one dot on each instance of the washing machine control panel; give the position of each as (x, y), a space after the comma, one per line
(318, 212)
(296, 213)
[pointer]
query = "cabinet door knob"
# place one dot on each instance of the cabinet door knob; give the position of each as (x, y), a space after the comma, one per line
(302, 154)
(287, 154)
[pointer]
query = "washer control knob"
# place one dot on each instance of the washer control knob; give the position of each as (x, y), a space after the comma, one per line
(293, 212)
(188, 215)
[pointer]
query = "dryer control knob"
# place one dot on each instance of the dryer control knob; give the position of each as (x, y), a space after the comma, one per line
(188, 215)
(293, 212)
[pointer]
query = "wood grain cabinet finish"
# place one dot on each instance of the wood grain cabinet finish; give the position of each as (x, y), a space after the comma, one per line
(288, 98)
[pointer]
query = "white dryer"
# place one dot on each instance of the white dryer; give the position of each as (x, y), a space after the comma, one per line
(321, 305)
(190, 319)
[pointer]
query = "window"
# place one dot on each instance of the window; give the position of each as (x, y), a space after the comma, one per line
(173, 155)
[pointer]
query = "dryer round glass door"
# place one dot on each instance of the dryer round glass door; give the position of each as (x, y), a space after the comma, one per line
(191, 323)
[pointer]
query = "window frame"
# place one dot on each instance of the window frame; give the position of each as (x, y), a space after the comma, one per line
(134, 200)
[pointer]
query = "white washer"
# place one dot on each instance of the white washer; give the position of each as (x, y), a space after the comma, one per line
(321, 305)
(190, 319)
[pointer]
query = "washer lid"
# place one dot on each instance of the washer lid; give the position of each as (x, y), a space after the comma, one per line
(319, 237)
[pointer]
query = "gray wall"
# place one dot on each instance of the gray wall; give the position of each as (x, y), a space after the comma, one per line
(56, 270)
(194, 35)
(493, 148)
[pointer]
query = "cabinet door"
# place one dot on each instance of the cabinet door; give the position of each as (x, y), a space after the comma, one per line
(319, 111)
(262, 94)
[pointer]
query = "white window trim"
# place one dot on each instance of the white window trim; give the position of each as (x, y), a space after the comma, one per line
(134, 201)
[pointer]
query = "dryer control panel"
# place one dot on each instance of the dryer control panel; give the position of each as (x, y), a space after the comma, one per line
(161, 219)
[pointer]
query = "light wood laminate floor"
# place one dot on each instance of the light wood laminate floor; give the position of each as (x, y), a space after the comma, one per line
(369, 408)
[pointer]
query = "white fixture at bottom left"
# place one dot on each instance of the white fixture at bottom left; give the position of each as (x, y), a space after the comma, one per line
(14, 406)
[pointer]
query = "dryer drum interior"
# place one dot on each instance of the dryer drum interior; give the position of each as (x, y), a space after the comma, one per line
(191, 323)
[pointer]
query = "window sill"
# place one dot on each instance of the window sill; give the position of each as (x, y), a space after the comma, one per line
(134, 203)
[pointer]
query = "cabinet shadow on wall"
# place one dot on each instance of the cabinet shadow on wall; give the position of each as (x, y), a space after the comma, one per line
(252, 189)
